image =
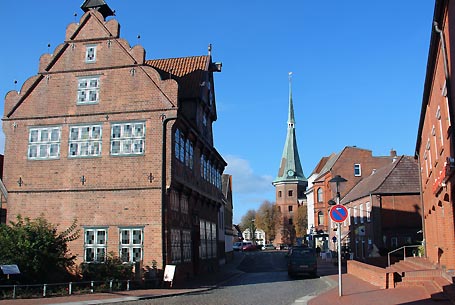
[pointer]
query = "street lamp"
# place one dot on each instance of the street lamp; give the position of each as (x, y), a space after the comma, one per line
(337, 180)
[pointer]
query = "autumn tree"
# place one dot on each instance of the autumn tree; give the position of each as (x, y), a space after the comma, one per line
(247, 220)
(301, 221)
(267, 218)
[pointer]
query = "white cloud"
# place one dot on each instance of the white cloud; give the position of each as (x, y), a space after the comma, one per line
(244, 180)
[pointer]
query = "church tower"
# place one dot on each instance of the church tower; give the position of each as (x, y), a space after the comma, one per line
(290, 183)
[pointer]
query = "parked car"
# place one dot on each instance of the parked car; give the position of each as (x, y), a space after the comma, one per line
(302, 260)
(237, 246)
(249, 247)
(268, 247)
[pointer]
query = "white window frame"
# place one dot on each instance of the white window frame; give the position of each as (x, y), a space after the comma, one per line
(176, 246)
(131, 247)
(362, 220)
(186, 245)
(438, 117)
(357, 170)
(85, 141)
(44, 143)
(98, 245)
(88, 90)
(90, 53)
(355, 215)
(127, 139)
(368, 210)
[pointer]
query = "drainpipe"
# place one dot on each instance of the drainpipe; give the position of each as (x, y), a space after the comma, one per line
(164, 120)
(424, 243)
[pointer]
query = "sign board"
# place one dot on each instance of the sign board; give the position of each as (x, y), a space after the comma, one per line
(338, 213)
(169, 272)
(10, 269)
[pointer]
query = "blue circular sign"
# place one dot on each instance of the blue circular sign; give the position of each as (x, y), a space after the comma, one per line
(338, 213)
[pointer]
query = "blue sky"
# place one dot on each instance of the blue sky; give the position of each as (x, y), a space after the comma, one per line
(358, 71)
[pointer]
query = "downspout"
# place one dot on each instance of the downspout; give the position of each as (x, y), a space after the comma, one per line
(424, 243)
(165, 120)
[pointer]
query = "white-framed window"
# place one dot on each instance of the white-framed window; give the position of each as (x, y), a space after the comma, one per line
(438, 117)
(88, 90)
(355, 215)
(433, 133)
(127, 138)
(361, 213)
(357, 170)
(368, 210)
(320, 194)
(85, 141)
(131, 244)
(207, 230)
(90, 53)
(44, 143)
(320, 218)
(176, 246)
(186, 240)
(428, 147)
(95, 241)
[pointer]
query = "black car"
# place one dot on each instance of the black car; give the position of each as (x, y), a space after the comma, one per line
(302, 260)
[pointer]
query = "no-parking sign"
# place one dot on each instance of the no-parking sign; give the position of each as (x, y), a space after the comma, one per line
(338, 213)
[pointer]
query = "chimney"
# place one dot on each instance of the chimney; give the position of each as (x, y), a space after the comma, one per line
(393, 153)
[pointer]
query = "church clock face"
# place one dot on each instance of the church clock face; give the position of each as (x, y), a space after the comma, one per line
(290, 173)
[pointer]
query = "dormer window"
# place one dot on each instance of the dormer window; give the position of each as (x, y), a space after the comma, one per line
(90, 53)
(357, 170)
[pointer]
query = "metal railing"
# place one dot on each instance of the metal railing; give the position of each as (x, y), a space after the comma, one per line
(62, 289)
(398, 249)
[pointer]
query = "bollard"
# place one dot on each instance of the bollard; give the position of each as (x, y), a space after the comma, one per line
(91, 286)
(110, 285)
(44, 290)
(70, 288)
(14, 291)
(128, 285)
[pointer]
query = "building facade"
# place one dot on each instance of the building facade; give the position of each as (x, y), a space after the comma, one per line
(384, 211)
(121, 144)
(352, 163)
(290, 183)
(435, 144)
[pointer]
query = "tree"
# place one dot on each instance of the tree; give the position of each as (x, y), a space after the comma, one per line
(247, 219)
(267, 218)
(40, 252)
(301, 221)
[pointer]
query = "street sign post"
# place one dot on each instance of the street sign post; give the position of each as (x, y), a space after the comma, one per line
(338, 213)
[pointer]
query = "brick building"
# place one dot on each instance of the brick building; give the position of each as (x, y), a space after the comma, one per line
(384, 210)
(353, 164)
(122, 144)
(435, 140)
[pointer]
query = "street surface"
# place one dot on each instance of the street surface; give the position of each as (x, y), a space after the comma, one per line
(265, 281)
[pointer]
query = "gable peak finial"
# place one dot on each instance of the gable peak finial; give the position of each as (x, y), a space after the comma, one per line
(98, 5)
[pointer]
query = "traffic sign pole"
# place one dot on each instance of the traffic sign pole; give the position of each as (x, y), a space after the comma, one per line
(339, 213)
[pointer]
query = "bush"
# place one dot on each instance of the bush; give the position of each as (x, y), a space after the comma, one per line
(112, 268)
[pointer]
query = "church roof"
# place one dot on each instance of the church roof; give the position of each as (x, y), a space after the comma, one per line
(290, 166)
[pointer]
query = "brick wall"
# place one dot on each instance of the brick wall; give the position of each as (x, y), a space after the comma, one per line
(371, 274)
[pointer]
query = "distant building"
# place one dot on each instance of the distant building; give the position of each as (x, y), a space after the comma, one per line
(384, 211)
(290, 183)
(259, 234)
(353, 164)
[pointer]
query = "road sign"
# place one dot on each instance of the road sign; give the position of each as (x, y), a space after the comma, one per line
(338, 213)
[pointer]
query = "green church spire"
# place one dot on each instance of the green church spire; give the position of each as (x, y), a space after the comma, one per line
(290, 167)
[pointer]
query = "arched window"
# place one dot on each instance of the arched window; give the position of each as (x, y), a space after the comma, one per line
(320, 218)
(320, 195)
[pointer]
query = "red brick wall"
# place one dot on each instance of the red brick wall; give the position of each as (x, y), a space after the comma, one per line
(371, 274)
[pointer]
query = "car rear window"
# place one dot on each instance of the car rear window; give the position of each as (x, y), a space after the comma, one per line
(302, 252)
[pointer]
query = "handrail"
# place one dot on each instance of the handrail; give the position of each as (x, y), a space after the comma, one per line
(404, 252)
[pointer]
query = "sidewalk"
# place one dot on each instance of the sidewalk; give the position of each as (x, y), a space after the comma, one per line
(204, 283)
(358, 292)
